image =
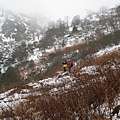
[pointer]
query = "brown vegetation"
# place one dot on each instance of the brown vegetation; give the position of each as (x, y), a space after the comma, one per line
(83, 100)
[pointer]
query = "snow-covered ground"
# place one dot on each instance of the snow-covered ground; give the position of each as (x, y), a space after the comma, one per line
(108, 50)
(10, 98)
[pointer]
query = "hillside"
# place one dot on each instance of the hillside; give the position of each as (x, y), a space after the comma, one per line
(32, 83)
(18, 33)
(91, 91)
(29, 50)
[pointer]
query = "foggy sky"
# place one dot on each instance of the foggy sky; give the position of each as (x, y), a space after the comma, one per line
(55, 9)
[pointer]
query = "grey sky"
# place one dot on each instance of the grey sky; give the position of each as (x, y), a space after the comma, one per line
(55, 9)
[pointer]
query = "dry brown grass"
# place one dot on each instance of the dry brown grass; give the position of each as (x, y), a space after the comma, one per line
(82, 100)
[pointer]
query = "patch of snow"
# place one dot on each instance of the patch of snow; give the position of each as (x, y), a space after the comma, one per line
(108, 50)
(91, 70)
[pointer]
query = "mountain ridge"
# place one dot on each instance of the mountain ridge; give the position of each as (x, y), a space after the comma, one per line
(26, 46)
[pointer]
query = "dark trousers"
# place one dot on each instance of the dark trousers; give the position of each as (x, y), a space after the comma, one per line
(64, 68)
(69, 69)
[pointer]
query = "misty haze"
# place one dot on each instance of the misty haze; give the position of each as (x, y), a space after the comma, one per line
(59, 60)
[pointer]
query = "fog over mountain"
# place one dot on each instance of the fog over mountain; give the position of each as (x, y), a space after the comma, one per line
(32, 82)
(55, 9)
(40, 17)
(44, 20)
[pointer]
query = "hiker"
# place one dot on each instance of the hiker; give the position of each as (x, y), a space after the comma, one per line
(69, 64)
(64, 65)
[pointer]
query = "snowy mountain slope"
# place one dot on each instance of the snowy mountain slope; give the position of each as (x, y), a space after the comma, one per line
(60, 84)
(93, 83)
(16, 29)
(26, 47)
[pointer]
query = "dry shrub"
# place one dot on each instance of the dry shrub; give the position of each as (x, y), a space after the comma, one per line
(82, 100)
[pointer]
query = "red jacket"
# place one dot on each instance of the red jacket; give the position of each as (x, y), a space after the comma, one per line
(69, 64)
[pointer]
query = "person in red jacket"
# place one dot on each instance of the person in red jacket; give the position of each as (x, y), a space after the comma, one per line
(69, 64)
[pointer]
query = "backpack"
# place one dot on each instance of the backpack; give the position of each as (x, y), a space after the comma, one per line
(71, 64)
